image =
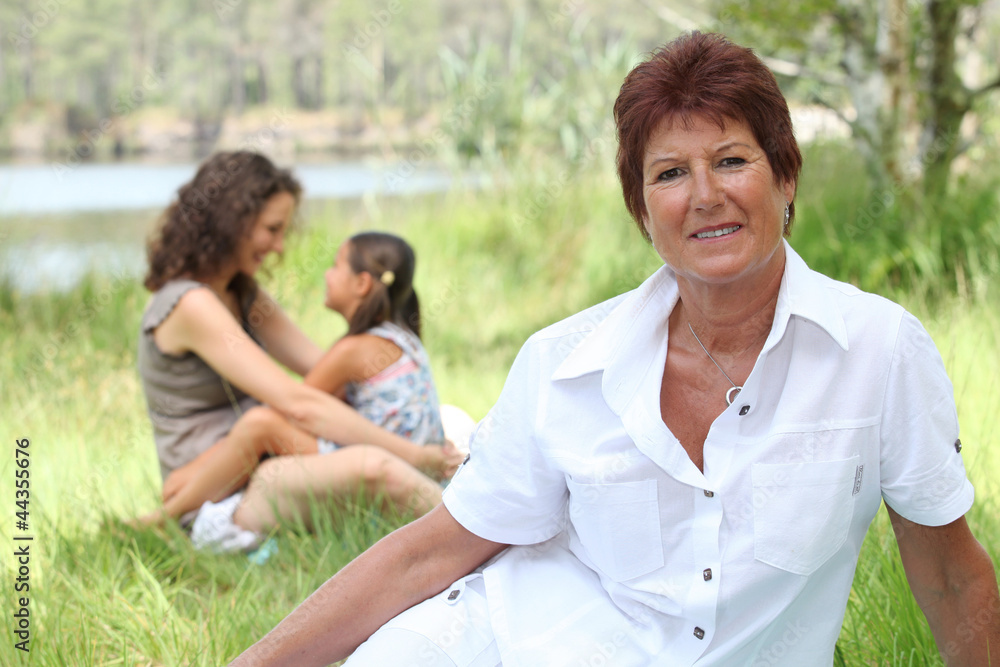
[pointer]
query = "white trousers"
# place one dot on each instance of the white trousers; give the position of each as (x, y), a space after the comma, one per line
(451, 629)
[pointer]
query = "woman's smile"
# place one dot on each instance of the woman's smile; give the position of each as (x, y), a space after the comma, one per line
(715, 233)
(714, 208)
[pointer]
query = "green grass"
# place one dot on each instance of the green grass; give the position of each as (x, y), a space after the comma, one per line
(493, 267)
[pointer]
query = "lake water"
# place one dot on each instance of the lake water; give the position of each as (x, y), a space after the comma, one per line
(56, 224)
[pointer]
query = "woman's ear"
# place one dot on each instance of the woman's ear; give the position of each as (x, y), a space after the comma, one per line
(789, 188)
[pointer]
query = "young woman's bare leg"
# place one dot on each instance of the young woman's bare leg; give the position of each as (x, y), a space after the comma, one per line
(285, 487)
(227, 465)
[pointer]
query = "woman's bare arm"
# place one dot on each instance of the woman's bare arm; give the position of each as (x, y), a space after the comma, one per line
(350, 359)
(200, 323)
(953, 581)
(281, 336)
(406, 567)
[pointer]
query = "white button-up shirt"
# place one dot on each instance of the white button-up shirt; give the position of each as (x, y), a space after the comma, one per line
(639, 558)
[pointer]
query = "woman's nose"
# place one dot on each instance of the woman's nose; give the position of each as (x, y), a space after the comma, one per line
(707, 192)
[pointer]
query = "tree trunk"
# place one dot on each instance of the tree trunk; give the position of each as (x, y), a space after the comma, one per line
(237, 82)
(318, 82)
(948, 99)
(261, 82)
(298, 83)
(27, 70)
(6, 96)
(874, 61)
(891, 44)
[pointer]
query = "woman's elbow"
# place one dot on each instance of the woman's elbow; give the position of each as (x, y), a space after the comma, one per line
(304, 405)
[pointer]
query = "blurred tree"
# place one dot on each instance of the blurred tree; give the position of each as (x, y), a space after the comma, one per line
(370, 60)
(899, 69)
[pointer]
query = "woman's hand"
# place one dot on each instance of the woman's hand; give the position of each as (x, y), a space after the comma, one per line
(440, 461)
(174, 482)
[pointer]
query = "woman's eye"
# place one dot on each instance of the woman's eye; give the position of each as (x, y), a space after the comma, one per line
(732, 162)
(669, 174)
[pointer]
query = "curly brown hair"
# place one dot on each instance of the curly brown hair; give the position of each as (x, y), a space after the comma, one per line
(202, 229)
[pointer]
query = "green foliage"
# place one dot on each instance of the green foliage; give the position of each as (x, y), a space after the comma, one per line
(502, 101)
(890, 240)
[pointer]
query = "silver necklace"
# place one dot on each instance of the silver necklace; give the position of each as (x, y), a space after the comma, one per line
(730, 393)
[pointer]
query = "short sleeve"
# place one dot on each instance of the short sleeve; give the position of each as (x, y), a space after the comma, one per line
(163, 302)
(922, 473)
(508, 491)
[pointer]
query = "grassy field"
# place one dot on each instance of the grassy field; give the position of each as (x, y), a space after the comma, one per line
(493, 267)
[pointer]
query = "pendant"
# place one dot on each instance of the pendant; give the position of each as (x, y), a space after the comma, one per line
(730, 395)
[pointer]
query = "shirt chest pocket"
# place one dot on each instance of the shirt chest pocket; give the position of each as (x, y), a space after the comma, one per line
(802, 512)
(619, 526)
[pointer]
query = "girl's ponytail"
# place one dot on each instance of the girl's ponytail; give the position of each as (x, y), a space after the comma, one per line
(409, 313)
(390, 261)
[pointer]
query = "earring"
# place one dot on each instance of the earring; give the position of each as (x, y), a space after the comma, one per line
(787, 214)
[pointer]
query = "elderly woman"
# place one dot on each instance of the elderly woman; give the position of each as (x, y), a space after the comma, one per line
(688, 469)
(209, 354)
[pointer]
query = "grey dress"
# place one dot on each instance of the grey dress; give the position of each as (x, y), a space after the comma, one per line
(190, 405)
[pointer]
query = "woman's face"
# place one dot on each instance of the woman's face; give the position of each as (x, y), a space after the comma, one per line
(267, 234)
(713, 208)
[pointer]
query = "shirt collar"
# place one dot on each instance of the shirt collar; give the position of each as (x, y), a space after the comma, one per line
(802, 293)
(636, 316)
(807, 294)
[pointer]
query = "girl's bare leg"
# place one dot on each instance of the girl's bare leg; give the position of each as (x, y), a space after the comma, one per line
(227, 465)
(285, 487)
(176, 480)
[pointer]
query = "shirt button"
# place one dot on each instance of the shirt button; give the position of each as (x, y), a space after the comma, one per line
(707, 574)
(709, 494)
(699, 633)
(744, 410)
(958, 445)
(454, 595)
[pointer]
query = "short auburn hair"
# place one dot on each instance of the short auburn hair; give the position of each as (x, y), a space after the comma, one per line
(701, 75)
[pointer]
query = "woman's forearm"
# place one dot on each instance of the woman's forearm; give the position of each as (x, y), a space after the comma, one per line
(328, 417)
(401, 570)
(343, 612)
